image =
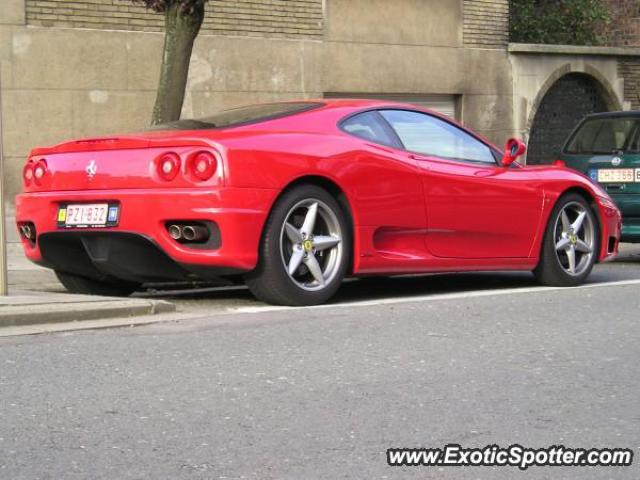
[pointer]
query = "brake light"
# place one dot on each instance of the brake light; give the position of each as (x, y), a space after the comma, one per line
(560, 163)
(34, 172)
(168, 166)
(202, 165)
(39, 170)
(27, 173)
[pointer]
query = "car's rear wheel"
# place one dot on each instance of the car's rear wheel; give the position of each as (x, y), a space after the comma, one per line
(571, 243)
(87, 286)
(305, 249)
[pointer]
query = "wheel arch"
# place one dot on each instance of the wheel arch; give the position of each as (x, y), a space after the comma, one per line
(589, 197)
(337, 192)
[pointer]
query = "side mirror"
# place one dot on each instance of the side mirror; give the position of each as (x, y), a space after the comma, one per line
(513, 149)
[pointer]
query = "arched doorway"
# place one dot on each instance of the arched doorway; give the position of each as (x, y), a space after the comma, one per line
(567, 101)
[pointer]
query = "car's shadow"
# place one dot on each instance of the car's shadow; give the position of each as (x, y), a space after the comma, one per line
(372, 288)
(627, 267)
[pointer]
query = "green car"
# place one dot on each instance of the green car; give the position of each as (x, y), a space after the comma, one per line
(606, 148)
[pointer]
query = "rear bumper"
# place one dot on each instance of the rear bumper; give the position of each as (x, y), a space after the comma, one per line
(238, 213)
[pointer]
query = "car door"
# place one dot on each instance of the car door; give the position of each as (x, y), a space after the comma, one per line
(475, 207)
(387, 189)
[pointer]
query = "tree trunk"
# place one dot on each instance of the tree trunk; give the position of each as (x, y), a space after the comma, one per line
(181, 30)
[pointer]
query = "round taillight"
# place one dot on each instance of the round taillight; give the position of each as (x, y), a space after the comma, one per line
(27, 173)
(203, 165)
(38, 172)
(168, 166)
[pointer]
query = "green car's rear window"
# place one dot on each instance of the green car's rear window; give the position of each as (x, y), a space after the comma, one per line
(241, 116)
(605, 135)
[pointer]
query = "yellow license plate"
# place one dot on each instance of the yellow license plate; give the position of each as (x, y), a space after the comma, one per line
(616, 175)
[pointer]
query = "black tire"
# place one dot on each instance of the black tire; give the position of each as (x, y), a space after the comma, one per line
(87, 286)
(270, 281)
(550, 269)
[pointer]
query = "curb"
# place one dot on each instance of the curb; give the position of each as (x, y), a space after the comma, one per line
(20, 315)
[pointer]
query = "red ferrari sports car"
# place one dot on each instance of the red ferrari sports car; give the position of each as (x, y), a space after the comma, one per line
(292, 197)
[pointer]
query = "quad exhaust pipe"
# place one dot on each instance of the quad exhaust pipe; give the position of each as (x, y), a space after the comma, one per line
(195, 233)
(190, 233)
(28, 231)
(175, 231)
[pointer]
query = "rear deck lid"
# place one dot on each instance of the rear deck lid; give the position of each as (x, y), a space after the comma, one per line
(112, 162)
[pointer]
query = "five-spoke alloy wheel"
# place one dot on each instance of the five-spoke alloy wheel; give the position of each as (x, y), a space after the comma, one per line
(305, 249)
(575, 238)
(311, 244)
(570, 245)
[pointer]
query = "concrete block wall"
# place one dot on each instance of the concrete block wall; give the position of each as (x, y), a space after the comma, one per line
(62, 83)
(278, 18)
(486, 23)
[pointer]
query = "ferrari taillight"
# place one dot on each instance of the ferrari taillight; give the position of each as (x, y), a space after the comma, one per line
(202, 165)
(34, 171)
(168, 166)
(27, 173)
(39, 170)
(199, 166)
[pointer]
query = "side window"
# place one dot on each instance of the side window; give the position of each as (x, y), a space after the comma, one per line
(429, 135)
(370, 126)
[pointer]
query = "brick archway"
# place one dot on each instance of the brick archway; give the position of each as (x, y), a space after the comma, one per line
(564, 100)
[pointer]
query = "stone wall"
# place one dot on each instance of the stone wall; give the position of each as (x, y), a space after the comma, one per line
(486, 23)
(629, 70)
(537, 68)
(278, 18)
(565, 104)
(624, 28)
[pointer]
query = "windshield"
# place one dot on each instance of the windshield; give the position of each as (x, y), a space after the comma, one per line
(240, 116)
(605, 135)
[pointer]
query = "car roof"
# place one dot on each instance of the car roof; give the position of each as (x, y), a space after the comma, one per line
(361, 103)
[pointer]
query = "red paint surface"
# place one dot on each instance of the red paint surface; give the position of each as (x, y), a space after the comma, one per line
(410, 213)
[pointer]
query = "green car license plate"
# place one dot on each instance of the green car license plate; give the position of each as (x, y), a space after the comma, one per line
(616, 175)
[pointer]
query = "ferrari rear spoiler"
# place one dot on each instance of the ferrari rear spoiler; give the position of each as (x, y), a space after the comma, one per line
(118, 143)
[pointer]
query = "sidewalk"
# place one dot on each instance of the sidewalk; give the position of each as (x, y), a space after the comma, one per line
(36, 297)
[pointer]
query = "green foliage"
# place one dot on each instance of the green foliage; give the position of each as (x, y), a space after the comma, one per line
(566, 22)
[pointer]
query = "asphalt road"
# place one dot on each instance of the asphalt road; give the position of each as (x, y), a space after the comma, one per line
(321, 393)
(224, 300)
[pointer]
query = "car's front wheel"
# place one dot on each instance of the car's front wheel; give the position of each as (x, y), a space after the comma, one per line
(305, 249)
(570, 245)
(87, 286)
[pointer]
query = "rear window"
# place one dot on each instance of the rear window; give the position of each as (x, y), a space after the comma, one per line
(240, 116)
(605, 135)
